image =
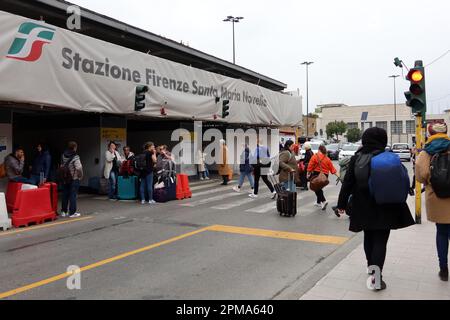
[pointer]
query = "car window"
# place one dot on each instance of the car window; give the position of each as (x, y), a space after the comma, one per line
(350, 148)
(400, 147)
(332, 147)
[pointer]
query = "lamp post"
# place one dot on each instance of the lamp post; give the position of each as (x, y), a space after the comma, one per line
(233, 20)
(307, 63)
(395, 107)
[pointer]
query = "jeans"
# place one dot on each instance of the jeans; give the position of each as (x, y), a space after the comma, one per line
(146, 187)
(290, 185)
(22, 180)
(242, 178)
(70, 192)
(442, 238)
(375, 246)
(35, 179)
(112, 184)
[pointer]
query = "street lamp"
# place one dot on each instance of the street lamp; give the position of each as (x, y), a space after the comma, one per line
(307, 63)
(395, 108)
(233, 20)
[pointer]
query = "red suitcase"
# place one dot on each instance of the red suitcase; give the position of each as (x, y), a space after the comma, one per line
(53, 194)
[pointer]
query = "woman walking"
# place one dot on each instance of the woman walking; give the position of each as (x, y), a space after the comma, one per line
(245, 170)
(225, 169)
(320, 163)
(308, 155)
(366, 215)
(438, 209)
(288, 167)
(261, 164)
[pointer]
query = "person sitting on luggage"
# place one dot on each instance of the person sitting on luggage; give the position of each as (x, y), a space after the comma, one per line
(320, 163)
(14, 164)
(41, 165)
(126, 169)
(288, 167)
(113, 160)
(146, 172)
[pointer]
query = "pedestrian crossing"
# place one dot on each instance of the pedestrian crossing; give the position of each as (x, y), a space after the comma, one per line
(219, 198)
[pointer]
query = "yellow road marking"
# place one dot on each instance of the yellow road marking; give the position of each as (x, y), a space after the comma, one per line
(98, 264)
(46, 225)
(279, 234)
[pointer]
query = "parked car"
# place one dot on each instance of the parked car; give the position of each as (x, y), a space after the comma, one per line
(333, 151)
(314, 148)
(348, 150)
(402, 150)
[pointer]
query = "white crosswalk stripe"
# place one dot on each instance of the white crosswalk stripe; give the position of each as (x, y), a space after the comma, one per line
(238, 203)
(209, 200)
(264, 208)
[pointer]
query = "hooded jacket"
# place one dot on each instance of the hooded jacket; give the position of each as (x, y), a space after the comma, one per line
(42, 163)
(75, 167)
(438, 209)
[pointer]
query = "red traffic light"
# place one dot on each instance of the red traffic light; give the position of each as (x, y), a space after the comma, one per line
(415, 76)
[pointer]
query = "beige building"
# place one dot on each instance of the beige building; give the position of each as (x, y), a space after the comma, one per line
(397, 121)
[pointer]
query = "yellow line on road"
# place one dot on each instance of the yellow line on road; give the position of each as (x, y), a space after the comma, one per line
(279, 234)
(98, 264)
(46, 225)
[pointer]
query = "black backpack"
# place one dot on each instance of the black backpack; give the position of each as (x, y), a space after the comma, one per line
(440, 174)
(140, 162)
(64, 174)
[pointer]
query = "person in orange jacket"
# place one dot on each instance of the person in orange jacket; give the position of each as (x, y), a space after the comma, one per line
(321, 163)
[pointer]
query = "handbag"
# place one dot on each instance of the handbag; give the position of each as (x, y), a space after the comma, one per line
(320, 181)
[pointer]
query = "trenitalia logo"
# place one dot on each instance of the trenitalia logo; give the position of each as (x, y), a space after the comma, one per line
(30, 39)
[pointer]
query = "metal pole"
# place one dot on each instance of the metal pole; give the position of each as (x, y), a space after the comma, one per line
(419, 146)
(234, 55)
(307, 102)
(395, 111)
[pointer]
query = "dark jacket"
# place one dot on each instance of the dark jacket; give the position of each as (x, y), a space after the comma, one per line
(75, 166)
(308, 155)
(42, 163)
(364, 213)
(150, 165)
(245, 166)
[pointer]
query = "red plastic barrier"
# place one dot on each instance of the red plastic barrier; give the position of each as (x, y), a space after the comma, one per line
(32, 207)
(53, 187)
(180, 192)
(185, 184)
(11, 194)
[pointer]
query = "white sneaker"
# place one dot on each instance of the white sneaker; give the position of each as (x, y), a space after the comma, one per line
(324, 205)
(252, 195)
(317, 205)
(63, 214)
(142, 201)
(75, 215)
(202, 179)
(206, 178)
(274, 194)
(237, 189)
(152, 202)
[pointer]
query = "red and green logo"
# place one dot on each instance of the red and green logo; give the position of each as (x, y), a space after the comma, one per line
(29, 41)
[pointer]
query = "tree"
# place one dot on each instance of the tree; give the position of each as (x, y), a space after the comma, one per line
(336, 128)
(354, 135)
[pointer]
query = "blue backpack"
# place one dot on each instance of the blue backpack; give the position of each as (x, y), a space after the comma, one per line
(389, 180)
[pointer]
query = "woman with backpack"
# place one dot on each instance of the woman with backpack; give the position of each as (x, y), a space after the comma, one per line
(437, 204)
(288, 167)
(320, 163)
(376, 220)
(113, 161)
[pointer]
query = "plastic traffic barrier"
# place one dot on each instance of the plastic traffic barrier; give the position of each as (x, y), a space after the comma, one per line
(11, 194)
(5, 222)
(32, 207)
(53, 187)
(185, 184)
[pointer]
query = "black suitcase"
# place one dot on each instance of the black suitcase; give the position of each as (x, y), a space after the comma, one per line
(286, 200)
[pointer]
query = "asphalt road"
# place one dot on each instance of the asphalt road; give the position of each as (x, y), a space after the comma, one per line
(217, 245)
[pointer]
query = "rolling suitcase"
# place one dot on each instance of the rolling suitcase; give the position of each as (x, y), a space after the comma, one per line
(286, 200)
(126, 187)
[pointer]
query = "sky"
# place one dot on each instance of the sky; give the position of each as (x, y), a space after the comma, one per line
(352, 43)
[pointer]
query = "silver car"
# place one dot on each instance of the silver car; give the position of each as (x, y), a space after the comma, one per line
(402, 150)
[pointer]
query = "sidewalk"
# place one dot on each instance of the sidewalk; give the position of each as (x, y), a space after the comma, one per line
(410, 272)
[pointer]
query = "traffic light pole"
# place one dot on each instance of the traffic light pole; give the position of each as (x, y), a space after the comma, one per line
(419, 146)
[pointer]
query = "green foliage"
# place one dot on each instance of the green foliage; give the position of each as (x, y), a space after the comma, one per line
(354, 135)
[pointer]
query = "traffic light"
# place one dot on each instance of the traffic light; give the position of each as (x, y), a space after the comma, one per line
(225, 108)
(415, 97)
(139, 102)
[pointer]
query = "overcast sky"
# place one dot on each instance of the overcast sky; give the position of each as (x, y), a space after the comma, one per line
(352, 43)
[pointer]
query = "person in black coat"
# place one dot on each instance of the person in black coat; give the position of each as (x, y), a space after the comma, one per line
(365, 215)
